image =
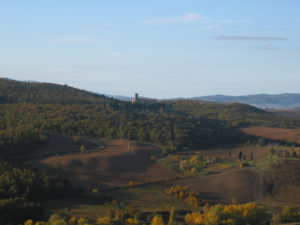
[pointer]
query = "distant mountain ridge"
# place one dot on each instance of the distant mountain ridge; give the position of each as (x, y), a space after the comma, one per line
(287, 100)
(265, 101)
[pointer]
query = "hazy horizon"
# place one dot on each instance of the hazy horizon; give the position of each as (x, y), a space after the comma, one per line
(131, 95)
(160, 49)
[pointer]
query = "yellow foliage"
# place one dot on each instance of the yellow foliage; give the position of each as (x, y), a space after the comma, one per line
(193, 170)
(157, 220)
(28, 222)
(230, 215)
(103, 221)
(177, 189)
(82, 221)
(194, 159)
(153, 157)
(72, 221)
(229, 222)
(40, 223)
(190, 197)
(186, 188)
(194, 218)
(95, 190)
(130, 221)
(181, 194)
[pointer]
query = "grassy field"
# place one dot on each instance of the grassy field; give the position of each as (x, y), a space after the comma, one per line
(148, 198)
(213, 161)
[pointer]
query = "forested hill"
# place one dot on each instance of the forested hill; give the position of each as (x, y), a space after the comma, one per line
(29, 111)
(232, 114)
(12, 91)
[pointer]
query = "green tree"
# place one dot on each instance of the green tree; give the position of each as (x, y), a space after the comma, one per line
(240, 155)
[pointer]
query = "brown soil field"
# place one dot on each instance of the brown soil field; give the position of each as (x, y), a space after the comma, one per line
(242, 184)
(113, 166)
(286, 181)
(56, 144)
(288, 135)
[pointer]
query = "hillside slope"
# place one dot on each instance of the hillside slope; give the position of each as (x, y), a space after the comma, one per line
(12, 91)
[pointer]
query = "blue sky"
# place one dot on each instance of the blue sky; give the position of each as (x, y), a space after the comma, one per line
(157, 48)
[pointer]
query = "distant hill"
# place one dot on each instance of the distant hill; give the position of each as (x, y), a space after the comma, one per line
(291, 113)
(120, 97)
(30, 111)
(259, 100)
(264, 101)
(125, 98)
(12, 91)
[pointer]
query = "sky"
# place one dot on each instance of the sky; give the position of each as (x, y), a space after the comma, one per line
(161, 49)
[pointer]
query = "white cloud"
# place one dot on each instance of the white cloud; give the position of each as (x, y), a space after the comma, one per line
(75, 40)
(183, 19)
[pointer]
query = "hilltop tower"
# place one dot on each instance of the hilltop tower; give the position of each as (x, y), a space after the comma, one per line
(136, 99)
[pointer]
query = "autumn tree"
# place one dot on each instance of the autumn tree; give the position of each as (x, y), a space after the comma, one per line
(157, 220)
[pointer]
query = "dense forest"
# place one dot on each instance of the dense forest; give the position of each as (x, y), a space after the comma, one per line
(233, 114)
(23, 188)
(29, 111)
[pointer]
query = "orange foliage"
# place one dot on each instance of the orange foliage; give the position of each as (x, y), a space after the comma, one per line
(230, 215)
(189, 197)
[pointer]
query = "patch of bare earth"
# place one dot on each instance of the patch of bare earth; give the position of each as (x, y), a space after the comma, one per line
(242, 185)
(288, 135)
(113, 166)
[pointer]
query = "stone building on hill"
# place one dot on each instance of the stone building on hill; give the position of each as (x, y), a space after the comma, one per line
(139, 100)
